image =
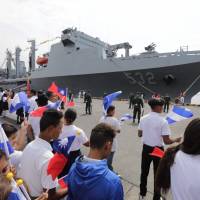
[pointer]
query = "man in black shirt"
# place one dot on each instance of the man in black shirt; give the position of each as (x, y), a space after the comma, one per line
(137, 107)
(88, 101)
(166, 103)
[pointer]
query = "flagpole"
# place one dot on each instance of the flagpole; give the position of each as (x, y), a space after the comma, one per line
(24, 112)
(5, 144)
(25, 192)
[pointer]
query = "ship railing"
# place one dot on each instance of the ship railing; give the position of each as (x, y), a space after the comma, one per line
(159, 55)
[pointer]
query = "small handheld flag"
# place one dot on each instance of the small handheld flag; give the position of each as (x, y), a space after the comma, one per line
(178, 114)
(53, 88)
(56, 165)
(39, 111)
(107, 100)
(157, 152)
(126, 117)
(63, 146)
(62, 93)
(60, 158)
(63, 182)
(20, 100)
(4, 143)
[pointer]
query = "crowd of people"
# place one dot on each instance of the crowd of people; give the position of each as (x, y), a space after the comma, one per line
(92, 176)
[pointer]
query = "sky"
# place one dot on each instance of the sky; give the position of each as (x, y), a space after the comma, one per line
(168, 23)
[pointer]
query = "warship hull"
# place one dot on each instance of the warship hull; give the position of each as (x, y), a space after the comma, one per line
(82, 62)
(148, 81)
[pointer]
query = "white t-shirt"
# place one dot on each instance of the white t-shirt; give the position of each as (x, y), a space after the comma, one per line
(185, 177)
(73, 130)
(115, 124)
(153, 127)
(35, 124)
(33, 167)
(4, 99)
(33, 104)
(15, 158)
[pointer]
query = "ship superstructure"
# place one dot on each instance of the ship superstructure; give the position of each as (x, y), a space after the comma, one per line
(82, 62)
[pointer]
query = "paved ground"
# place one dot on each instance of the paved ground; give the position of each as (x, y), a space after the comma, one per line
(128, 157)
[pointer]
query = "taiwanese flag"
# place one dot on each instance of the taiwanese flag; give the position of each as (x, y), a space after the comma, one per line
(53, 88)
(56, 165)
(39, 111)
(63, 182)
(62, 93)
(107, 100)
(60, 158)
(157, 152)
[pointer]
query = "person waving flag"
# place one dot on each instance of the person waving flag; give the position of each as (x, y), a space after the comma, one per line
(20, 100)
(107, 100)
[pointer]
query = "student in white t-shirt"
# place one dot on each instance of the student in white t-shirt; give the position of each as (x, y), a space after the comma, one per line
(81, 139)
(115, 124)
(32, 101)
(179, 169)
(36, 157)
(154, 131)
(34, 122)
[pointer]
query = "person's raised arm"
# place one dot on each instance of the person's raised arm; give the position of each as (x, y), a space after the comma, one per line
(166, 135)
(168, 140)
(21, 137)
(30, 133)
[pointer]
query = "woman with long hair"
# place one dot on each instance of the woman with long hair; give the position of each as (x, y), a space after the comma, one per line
(179, 169)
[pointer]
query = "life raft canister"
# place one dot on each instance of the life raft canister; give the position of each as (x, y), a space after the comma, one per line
(42, 60)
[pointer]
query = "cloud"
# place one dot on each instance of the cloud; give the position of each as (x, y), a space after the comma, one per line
(168, 23)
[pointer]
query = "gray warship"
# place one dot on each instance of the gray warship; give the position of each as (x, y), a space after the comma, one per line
(81, 62)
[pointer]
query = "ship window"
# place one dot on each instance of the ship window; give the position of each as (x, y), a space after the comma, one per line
(78, 48)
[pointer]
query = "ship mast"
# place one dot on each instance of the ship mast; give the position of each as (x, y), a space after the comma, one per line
(32, 56)
(8, 62)
(17, 61)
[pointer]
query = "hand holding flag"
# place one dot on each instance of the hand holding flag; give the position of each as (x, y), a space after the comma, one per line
(61, 92)
(7, 148)
(58, 162)
(157, 152)
(4, 143)
(63, 182)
